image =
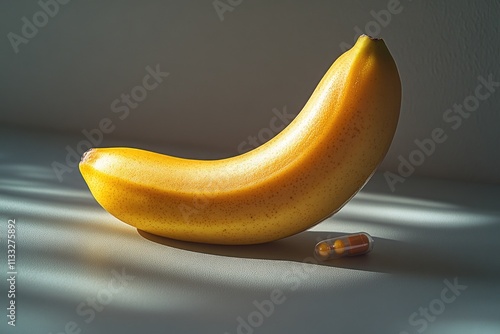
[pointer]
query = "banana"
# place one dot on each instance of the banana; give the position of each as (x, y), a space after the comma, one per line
(303, 175)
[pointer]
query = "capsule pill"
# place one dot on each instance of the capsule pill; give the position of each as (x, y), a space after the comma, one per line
(347, 245)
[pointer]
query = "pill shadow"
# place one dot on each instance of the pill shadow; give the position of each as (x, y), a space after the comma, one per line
(388, 256)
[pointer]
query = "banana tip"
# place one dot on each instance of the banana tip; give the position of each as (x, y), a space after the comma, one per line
(86, 155)
(371, 37)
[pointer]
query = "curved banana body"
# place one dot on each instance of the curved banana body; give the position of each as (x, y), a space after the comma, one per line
(297, 179)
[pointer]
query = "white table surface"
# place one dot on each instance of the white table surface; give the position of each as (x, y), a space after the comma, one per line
(428, 234)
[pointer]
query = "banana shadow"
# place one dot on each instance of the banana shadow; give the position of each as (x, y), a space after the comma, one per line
(388, 256)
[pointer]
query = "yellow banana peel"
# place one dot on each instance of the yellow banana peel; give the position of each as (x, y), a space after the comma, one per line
(303, 175)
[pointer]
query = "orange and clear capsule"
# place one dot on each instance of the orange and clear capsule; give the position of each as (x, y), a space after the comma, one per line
(347, 245)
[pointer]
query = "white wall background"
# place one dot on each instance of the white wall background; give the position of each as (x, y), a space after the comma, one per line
(227, 76)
